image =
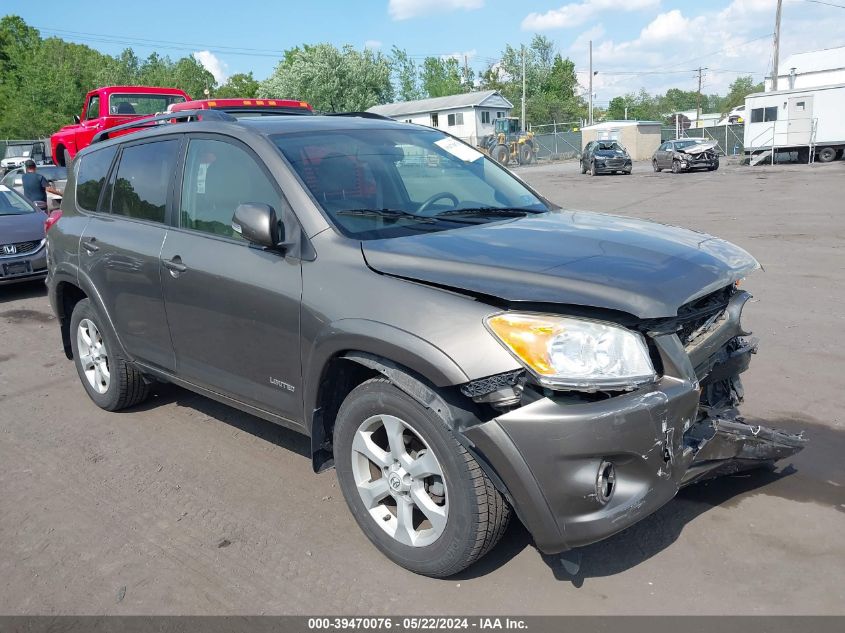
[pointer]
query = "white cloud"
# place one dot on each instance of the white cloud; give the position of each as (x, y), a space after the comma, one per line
(468, 55)
(214, 65)
(576, 13)
(665, 27)
(729, 41)
(406, 9)
(583, 41)
(372, 44)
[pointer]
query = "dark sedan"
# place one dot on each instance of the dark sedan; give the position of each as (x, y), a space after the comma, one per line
(605, 157)
(22, 253)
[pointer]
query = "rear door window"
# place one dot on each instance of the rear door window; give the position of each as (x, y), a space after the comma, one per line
(143, 179)
(91, 174)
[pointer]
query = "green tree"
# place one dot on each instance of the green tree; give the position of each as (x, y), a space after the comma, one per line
(441, 77)
(331, 79)
(551, 85)
(238, 85)
(405, 75)
(737, 91)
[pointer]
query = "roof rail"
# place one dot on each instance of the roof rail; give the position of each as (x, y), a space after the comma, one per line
(363, 115)
(182, 116)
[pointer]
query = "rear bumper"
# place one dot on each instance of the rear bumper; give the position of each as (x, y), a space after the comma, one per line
(27, 267)
(549, 454)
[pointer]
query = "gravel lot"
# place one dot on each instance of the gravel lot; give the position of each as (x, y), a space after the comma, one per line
(183, 506)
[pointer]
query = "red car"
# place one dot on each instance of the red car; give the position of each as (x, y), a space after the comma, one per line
(107, 107)
(246, 107)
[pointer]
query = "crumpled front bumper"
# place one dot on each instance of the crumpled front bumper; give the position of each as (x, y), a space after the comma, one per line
(549, 454)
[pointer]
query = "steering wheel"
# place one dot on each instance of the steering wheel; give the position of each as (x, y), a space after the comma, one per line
(437, 196)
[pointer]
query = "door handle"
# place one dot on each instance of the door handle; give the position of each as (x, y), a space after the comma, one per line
(90, 246)
(175, 266)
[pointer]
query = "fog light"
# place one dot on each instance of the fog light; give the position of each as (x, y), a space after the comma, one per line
(605, 482)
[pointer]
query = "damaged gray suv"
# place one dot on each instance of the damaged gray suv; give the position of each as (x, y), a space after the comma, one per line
(456, 346)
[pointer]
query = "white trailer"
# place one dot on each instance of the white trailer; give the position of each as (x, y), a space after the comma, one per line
(809, 121)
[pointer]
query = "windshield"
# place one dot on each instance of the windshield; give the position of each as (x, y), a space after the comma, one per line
(18, 151)
(132, 104)
(378, 183)
(610, 145)
(13, 204)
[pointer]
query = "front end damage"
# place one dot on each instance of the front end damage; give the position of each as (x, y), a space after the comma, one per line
(698, 156)
(579, 467)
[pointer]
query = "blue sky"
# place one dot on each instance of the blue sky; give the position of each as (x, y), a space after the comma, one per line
(653, 44)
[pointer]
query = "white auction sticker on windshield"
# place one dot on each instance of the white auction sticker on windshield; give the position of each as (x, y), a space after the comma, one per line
(459, 150)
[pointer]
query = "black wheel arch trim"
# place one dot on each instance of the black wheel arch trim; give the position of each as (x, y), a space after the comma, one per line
(84, 283)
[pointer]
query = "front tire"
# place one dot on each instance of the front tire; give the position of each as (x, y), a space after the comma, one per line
(501, 154)
(110, 381)
(676, 167)
(593, 170)
(66, 156)
(413, 489)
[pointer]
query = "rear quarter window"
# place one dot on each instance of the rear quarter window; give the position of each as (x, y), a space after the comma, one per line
(90, 177)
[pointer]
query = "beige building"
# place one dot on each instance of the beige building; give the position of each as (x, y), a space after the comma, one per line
(640, 138)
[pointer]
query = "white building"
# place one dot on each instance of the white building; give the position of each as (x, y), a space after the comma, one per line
(468, 116)
(811, 70)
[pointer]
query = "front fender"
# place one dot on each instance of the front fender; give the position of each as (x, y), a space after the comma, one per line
(382, 340)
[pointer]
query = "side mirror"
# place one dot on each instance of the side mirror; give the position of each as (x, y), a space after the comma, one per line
(257, 223)
(76, 118)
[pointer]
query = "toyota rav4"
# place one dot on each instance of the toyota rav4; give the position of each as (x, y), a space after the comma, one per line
(457, 347)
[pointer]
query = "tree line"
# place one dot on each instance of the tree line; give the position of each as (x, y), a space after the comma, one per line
(649, 107)
(43, 80)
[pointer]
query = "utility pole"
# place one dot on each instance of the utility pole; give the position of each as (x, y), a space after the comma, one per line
(776, 47)
(591, 83)
(466, 75)
(698, 103)
(523, 88)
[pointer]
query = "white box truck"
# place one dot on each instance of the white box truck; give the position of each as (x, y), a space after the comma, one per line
(801, 120)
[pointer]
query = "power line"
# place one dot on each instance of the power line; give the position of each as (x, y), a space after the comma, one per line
(827, 4)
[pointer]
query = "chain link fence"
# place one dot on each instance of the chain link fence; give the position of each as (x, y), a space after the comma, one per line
(729, 138)
(558, 141)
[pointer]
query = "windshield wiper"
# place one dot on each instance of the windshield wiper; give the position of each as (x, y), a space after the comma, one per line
(507, 211)
(385, 213)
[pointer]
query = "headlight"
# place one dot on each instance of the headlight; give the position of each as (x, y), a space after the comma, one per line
(570, 353)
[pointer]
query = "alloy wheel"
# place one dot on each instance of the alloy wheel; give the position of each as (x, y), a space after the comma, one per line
(400, 481)
(93, 355)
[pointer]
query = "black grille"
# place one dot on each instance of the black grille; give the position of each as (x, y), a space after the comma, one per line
(483, 386)
(21, 248)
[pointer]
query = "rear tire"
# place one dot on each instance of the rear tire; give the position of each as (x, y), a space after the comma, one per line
(66, 156)
(110, 381)
(656, 168)
(468, 514)
(826, 155)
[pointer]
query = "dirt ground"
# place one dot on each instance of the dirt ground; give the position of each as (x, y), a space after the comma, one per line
(183, 506)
